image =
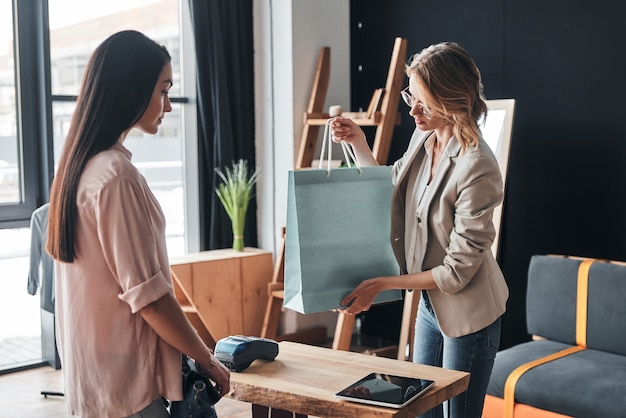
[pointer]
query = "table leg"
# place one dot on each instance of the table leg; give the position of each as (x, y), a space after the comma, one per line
(343, 331)
(260, 411)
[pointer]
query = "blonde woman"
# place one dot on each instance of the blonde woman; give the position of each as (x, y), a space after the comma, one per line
(446, 187)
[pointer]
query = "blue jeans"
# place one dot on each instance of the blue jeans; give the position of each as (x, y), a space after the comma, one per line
(473, 353)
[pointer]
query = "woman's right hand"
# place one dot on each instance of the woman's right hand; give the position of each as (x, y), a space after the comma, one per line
(344, 129)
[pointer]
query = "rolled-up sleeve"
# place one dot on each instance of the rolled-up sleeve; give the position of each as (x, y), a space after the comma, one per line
(146, 292)
(128, 239)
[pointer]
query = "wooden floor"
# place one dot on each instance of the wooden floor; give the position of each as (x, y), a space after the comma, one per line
(20, 396)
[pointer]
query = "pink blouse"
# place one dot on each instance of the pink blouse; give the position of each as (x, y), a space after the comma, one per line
(114, 364)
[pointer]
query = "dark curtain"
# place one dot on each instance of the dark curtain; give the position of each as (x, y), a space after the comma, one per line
(225, 99)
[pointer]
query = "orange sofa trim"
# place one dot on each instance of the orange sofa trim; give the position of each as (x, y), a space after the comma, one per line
(494, 408)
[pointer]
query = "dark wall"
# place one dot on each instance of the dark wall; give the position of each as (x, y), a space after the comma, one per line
(565, 64)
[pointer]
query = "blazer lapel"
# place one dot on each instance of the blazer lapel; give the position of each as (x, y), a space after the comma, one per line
(415, 148)
(416, 145)
(434, 189)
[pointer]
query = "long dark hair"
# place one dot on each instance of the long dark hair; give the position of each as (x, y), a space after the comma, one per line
(117, 87)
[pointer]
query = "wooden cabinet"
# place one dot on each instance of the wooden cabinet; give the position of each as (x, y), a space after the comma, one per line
(223, 292)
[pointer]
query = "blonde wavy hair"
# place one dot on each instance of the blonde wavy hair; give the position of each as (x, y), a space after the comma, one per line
(451, 88)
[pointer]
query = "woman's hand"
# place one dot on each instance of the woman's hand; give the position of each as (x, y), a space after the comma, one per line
(167, 319)
(362, 297)
(344, 129)
(218, 373)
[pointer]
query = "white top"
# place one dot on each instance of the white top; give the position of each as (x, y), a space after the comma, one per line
(417, 184)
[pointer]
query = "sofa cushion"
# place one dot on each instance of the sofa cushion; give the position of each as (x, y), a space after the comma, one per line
(552, 295)
(589, 383)
(551, 298)
(606, 322)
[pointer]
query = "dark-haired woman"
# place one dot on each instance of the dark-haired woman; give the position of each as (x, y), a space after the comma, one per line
(446, 187)
(120, 329)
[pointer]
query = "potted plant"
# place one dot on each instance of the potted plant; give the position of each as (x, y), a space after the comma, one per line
(235, 193)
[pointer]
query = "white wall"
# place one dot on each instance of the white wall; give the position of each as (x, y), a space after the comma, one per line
(288, 35)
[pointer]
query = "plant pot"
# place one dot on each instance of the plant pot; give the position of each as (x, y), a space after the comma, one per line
(238, 244)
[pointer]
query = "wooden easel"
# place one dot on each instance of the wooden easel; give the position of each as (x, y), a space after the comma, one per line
(382, 113)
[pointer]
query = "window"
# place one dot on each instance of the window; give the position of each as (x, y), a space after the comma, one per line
(75, 31)
(41, 68)
(19, 174)
(10, 190)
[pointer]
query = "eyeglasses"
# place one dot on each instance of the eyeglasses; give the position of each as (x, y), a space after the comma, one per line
(410, 102)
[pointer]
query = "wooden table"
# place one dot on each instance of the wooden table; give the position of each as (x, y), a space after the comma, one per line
(304, 379)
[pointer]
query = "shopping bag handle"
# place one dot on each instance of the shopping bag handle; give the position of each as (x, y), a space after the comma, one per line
(348, 152)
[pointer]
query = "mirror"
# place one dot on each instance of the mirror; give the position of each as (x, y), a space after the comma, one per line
(497, 133)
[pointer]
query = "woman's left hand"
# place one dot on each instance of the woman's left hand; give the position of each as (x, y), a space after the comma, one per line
(361, 298)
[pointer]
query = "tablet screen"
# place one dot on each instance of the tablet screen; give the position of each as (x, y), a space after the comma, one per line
(385, 390)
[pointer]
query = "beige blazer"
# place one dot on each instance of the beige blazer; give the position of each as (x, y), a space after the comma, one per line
(457, 233)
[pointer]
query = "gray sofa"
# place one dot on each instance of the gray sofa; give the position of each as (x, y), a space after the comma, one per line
(588, 383)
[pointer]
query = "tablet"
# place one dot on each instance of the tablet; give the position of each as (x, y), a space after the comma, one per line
(385, 390)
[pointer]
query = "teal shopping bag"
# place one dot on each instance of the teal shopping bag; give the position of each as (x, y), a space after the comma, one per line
(337, 235)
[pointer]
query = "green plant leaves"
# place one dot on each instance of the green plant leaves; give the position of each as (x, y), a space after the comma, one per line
(235, 193)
